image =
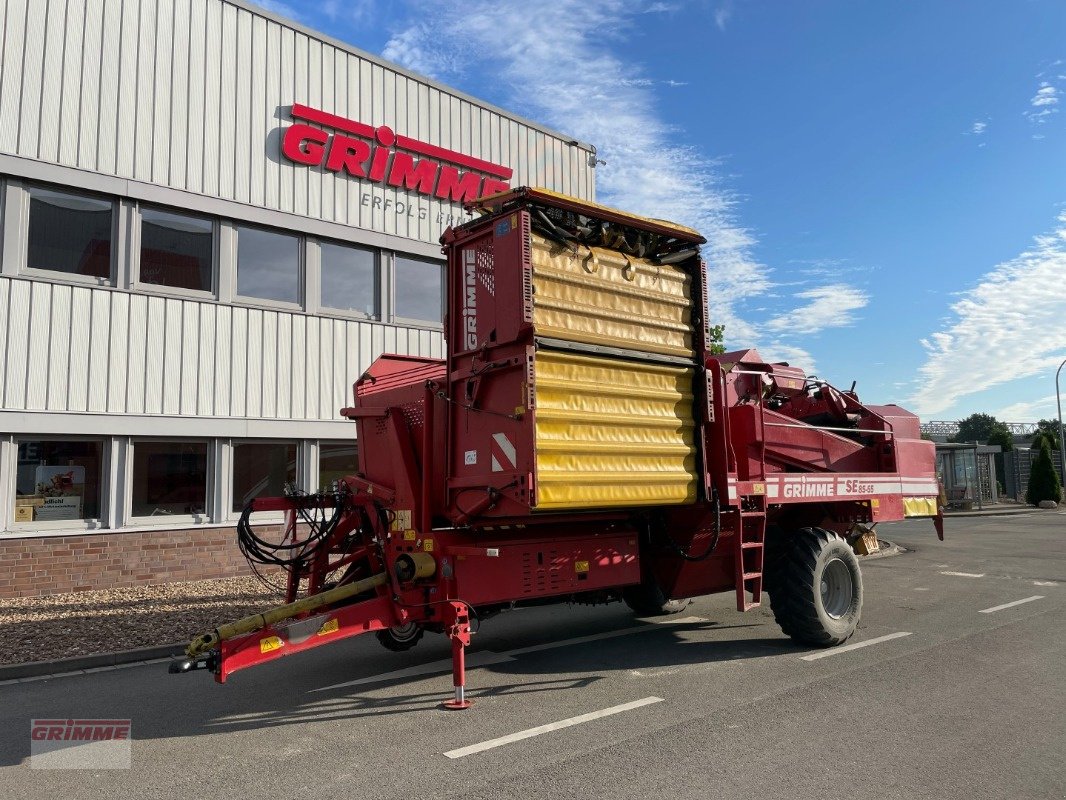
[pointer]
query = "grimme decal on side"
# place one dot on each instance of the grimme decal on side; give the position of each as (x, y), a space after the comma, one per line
(376, 156)
(470, 298)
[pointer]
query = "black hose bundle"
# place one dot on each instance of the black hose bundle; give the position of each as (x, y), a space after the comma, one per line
(312, 510)
(684, 554)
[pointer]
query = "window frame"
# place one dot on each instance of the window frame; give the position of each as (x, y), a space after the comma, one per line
(394, 292)
(168, 520)
(333, 443)
(228, 514)
(74, 525)
(58, 275)
(301, 269)
(137, 285)
(345, 313)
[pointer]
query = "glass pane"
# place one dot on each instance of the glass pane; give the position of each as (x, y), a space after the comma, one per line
(336, 460)
(418, 289)
(169, 478)
(69, 233)
(349, 279)
(261, 469)
(268, 264)
(176, 250)
(57, 481)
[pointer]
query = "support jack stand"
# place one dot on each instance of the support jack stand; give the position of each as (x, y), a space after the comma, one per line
(460, 636)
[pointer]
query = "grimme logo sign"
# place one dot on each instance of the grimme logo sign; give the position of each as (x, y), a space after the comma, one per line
(379, 155)
(80, 743)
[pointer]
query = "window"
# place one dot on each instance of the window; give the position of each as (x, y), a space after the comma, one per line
(169, 478)
(58, 480)
(69, 233)
(268, 264)
(336, 460)
(261, 469)
(418, 289)
(176, 250)
(349, 279)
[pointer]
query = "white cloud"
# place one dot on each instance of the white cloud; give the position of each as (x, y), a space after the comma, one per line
(650, 170)
(978, 128)
(611, 103)
(1007, 328)
(825, 307)
(1043, 103)
(1029, 410)
(722, 15)
(281, 9)
(661, 8)
(420, 50)
(796, 356)
(1046, 95)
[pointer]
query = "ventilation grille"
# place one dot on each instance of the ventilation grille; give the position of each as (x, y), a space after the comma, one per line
(527, 269)
(486, 265)
(540, 572)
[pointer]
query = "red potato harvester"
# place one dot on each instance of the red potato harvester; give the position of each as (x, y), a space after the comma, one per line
(581, 443)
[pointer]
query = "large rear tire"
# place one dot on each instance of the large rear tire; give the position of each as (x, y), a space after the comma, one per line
(647, 599)
(816, 588)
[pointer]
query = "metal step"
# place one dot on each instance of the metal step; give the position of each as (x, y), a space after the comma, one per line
(748, 556)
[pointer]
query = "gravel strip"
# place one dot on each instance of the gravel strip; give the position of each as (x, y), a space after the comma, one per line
(107, 620)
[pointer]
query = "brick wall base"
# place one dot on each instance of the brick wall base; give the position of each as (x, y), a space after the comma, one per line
(40, 566)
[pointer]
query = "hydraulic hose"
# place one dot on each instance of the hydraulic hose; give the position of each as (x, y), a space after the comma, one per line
(685, 554)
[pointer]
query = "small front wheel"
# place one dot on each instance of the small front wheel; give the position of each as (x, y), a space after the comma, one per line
(816, 590)
(647, 599)
(400, 637)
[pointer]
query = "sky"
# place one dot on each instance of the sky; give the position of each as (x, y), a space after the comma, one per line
(882, 184)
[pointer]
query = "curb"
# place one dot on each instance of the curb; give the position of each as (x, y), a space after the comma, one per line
(34, 669)
(992, 513)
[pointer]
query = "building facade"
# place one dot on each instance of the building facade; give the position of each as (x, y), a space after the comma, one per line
(212, 221)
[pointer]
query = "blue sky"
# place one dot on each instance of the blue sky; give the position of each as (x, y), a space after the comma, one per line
(883, 184)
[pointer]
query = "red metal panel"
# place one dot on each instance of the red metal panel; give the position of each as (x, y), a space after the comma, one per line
(502, 570)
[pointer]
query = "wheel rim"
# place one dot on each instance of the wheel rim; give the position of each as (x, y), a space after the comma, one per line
(404, 633)
(837, 588)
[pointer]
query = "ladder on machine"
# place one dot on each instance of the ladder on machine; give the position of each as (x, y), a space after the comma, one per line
(749, 552)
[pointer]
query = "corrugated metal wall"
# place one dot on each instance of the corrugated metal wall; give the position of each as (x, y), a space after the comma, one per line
(193, 94)
(71, 348)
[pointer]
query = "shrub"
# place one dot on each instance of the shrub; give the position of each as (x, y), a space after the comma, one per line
(1043, 480)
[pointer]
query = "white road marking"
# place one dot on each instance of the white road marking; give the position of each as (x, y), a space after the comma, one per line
(480, 658)
(1044, 583)
(1011, 605)
(551, 726)
(965, 574)
(921, 588)
(835, 651)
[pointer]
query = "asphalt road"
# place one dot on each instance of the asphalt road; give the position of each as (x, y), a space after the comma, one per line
(719, 704)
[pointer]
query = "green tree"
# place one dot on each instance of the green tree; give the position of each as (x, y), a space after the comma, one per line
(986, 429)
(1041, 436)
(1002, 436)
(716, 336)
(1050, 429)
(1043, 480)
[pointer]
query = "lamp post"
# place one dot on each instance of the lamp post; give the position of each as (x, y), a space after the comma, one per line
(1062, 441)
